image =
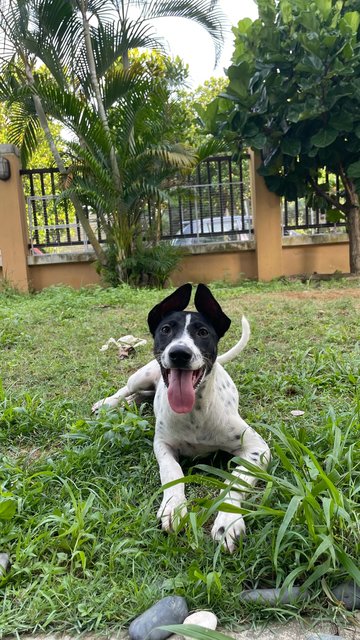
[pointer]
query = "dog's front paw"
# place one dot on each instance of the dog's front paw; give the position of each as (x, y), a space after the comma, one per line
(172, 511)
(105, 402)
(228, 527)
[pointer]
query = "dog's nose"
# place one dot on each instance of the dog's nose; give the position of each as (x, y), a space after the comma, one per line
(180, 356)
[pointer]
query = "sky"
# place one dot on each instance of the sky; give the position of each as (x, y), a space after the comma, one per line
(194, 45)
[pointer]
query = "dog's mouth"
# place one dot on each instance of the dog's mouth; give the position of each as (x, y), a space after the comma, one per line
(181, 385)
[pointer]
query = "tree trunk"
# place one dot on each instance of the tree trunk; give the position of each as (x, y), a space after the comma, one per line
(96, 88)
(353, 225)
(99, 252)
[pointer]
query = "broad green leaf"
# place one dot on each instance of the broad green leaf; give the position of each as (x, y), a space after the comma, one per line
(354, 170)
(7, 508)
(350, 19)
(324, 138)
(291, 146)
(324, 6)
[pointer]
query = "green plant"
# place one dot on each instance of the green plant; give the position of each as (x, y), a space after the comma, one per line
(153, 266)
(90, 485)
(308, 511)
(293, 93)
(111, 104)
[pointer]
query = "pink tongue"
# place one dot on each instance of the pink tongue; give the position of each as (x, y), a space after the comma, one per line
(181, 392)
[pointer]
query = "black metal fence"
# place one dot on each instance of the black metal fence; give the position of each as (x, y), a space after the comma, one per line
(213, 204)
(299, 218)
(52, 221)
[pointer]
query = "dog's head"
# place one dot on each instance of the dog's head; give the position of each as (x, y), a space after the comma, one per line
(185, 342)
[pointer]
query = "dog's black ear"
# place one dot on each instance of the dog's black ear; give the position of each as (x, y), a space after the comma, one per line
(210, 308)
(177, 301)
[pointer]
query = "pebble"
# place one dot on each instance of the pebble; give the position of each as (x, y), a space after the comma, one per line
(5, 564)
(349, 594)
(324, 636)
(205, 619)
(169, 610)
(273, 596)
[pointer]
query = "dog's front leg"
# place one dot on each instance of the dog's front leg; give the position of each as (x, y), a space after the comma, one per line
(229, 526)
(173, 505)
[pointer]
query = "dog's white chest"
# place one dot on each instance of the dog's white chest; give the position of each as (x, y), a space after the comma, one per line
(209, 426)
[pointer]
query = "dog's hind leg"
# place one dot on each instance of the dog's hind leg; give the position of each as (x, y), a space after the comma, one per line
(142, 383)
(228, 526)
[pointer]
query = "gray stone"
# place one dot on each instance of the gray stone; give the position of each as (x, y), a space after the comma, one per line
(273, 596)
(169, 610)
(5, 564)
(324, 636)
(349, 594)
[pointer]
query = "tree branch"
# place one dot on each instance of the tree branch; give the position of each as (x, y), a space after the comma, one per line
(331, 200)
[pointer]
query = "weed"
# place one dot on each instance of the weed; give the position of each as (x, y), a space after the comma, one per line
(79, 494)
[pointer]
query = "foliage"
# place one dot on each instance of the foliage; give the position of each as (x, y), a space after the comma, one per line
(193, 103)
(107, 101)
(294, 95)
(85, 547)
(41, 156)
(308, 511)
(153, 265)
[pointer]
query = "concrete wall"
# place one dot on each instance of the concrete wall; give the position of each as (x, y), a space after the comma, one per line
(268, 256)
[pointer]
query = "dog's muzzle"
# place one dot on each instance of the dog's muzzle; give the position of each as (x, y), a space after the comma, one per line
(181, 387)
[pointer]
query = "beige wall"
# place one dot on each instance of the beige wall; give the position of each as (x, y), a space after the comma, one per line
(74, 274)
(322, 255)
(305, 255)
(231, 262)
(13, 225)
(209, 263)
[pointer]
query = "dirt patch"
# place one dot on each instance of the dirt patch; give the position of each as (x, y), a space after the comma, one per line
(319, 295)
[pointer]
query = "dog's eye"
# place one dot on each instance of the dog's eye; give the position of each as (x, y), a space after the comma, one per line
(203, 333)
(165, 329)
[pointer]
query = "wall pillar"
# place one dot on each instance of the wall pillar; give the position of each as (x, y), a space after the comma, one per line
(267, 224)
(13, 225)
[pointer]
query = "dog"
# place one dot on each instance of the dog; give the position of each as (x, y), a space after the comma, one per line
(195, 403)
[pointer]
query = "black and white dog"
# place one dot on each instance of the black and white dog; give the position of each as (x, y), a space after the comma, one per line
(196, 401)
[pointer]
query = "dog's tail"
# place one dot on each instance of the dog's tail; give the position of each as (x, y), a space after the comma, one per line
(234, 351)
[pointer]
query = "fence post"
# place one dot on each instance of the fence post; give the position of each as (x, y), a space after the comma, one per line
(267, 224)
(13, 225)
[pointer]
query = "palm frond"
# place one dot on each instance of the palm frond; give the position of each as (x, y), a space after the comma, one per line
(119, 83)
(177, 156)
(210, 147)
(205, 13)
(22, 131)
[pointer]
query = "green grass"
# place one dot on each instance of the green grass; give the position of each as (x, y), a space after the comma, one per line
(79, 495)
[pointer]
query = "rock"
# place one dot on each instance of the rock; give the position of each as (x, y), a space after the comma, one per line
(324, 636)
(273, 596)
(169, 610)
(5, 564)
(349, 594)
(205, 619)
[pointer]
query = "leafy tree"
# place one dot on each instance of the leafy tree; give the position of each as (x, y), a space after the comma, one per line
(294, 95)
(80, 43)
(193, 104)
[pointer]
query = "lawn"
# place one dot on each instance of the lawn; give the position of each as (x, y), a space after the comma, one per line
(79, 494)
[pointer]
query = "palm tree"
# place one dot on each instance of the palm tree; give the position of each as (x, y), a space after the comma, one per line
(80, 43)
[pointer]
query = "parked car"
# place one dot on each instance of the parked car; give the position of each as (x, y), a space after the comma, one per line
(215, 229)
